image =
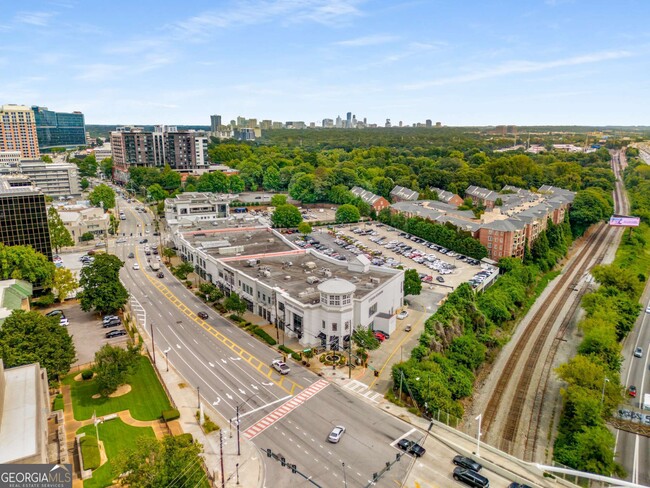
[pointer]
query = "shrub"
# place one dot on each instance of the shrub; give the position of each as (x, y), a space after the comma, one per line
(90, 452)
(264, 336)
(87, 374)
(58, 403)
(87, 236)
(296, 356)
(284, 348)
(171, 414)
(185, 438)
(44, 300)
(209, 425)
(235, 317)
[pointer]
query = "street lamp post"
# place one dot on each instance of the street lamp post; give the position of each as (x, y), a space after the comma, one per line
(602, 395)
(166, 352)
(478, 436)
(345, 476)
(198, 396)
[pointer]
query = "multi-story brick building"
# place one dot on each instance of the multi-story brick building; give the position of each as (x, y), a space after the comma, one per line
(18, 131)
(375, 201)
(401, 194)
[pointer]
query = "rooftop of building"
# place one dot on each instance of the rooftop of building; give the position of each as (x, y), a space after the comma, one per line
(11, 107)
(19, 413)
(300, 273)
(404, 193)
(227, 237)
(443, 195)
(365, 195)
(198, 197)
(7, 190)
(12, 294)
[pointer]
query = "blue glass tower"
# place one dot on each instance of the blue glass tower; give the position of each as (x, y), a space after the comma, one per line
(59, 129)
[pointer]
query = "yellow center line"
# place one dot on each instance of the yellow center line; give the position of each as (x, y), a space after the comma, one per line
(387, 360)
(256, 363)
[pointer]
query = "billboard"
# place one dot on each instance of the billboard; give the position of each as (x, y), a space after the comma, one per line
(623, 221)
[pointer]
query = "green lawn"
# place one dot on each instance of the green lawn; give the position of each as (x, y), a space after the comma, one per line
(146, 400)
(117, 437)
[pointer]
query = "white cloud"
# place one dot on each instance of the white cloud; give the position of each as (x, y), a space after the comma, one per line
(515, 67)
(39, 19)
(99, 71)
(252, 12)
(368, 40)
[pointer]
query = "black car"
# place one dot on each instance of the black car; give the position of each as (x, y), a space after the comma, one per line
(115, 333)
(465, 462)
(154, 250)
(156, 233)
(160, 275)
(131, 255)
(385, 334)
(411, 447)
(144, 241)
(517, 485)
(56, 313)
(471, 478)
(202, 315)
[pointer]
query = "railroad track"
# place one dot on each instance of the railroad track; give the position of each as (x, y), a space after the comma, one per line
(539, 330)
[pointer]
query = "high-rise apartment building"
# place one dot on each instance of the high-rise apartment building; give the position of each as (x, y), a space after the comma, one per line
(429, 124)
(215, 122)
(23, 216)
(185, 150)
(18, 131)
(55, 179)
(59, 129)
(348, 120)
(132, 146)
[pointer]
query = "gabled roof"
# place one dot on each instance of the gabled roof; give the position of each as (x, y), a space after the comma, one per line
(444, 195)
(365, 195)
(482, 193)
(404, 193)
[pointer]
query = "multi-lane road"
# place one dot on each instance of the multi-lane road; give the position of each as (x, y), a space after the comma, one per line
(231, 369)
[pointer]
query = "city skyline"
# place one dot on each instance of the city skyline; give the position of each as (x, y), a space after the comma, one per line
(552, 62)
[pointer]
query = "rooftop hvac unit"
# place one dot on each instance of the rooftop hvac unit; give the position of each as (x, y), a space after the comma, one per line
(310, 290)
(251, 262)
(312, 279)
(302, 294)
(370, 285)
(310, 265)
(287, 278)
(328, 273)
(374, 280)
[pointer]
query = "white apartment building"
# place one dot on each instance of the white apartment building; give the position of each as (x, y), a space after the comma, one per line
(191, 207)
(54, 179)
(8, 158)
(317, 299)
(103, 152)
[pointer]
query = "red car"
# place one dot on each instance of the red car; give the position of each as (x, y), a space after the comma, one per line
(380, 337)
(632, 391)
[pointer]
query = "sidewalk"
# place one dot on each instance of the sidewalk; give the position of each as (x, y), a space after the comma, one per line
(249, 464)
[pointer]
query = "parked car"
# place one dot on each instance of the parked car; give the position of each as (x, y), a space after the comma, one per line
(402, 315)
(336, 434)
(114, 322)
(385, 334)
(465, 462)
(55, 313)
(280, 366)
(115, 333)
(517, 485)
(380, 337)
(202, 315)
(411, 447)
(471, 478)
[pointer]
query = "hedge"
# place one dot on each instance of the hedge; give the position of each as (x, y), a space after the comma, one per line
(284, 348)
(87, 374)
(58, 403)
(90, 452)
(264, 336)
(235, 317)
(171, 414)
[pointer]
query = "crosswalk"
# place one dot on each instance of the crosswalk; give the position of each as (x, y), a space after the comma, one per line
(363, 390)
(285, 409)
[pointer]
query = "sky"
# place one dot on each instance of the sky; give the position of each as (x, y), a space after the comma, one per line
(523, 62)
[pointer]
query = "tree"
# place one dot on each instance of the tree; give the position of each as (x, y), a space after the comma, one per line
(59, 235)
(303, 188)
(64, 283)
(347, 213)
(23, 263)
(84, 183)
(210, 292)
(364, 337)
(412, 282)
(102, 289)
(234, 303)
(172, 461)
(106, 167)
(45, 158)
(29, 337)
(156, 192)
(113, 224)
(169, 253)
(87, 166)
(589, 206)
(236, 184)
(271, 179)
(183, 269)
(286, 216)
(304, 228)
(87, 236)
(279, 199)
(102, 195)
(113, 365)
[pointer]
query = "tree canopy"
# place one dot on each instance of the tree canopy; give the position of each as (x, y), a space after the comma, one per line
(412, 282)
(102, 289)
(102, 195)
(59, 235)
(22, 262)
(286, 216)
(29, 337)
(347, 213)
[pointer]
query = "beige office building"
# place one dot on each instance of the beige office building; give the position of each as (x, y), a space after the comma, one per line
(18, 131)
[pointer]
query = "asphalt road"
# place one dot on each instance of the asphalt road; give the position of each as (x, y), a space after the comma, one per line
(232, 369)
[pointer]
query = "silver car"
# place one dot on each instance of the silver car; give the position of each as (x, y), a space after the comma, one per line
(336, 434)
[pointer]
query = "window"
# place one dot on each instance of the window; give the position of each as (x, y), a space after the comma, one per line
(335, 299)
(323, 324)
(335, 326)
(372, 310)
(346, 299)
(347, 325)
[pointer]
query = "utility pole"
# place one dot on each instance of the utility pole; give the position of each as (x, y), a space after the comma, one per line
(223, 478)
(350, 358)
(238, 445)
(153, 344)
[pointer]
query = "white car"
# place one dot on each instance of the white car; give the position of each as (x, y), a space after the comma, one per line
(280, 366)
(402, 315)
(136, 266)
(647, 310)
(336, 434)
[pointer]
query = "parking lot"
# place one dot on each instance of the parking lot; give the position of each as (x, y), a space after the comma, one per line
(440, 270)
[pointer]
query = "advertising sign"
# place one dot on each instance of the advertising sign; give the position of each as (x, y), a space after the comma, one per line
(623, 221)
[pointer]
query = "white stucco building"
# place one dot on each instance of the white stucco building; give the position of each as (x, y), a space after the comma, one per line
(193, 207)
(310, 296)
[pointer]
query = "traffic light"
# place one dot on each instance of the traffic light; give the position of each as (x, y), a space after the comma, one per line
(283, 461)
(293, 468)
(268, 453)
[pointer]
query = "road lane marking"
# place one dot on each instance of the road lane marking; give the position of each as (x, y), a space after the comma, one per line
(286, 408)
